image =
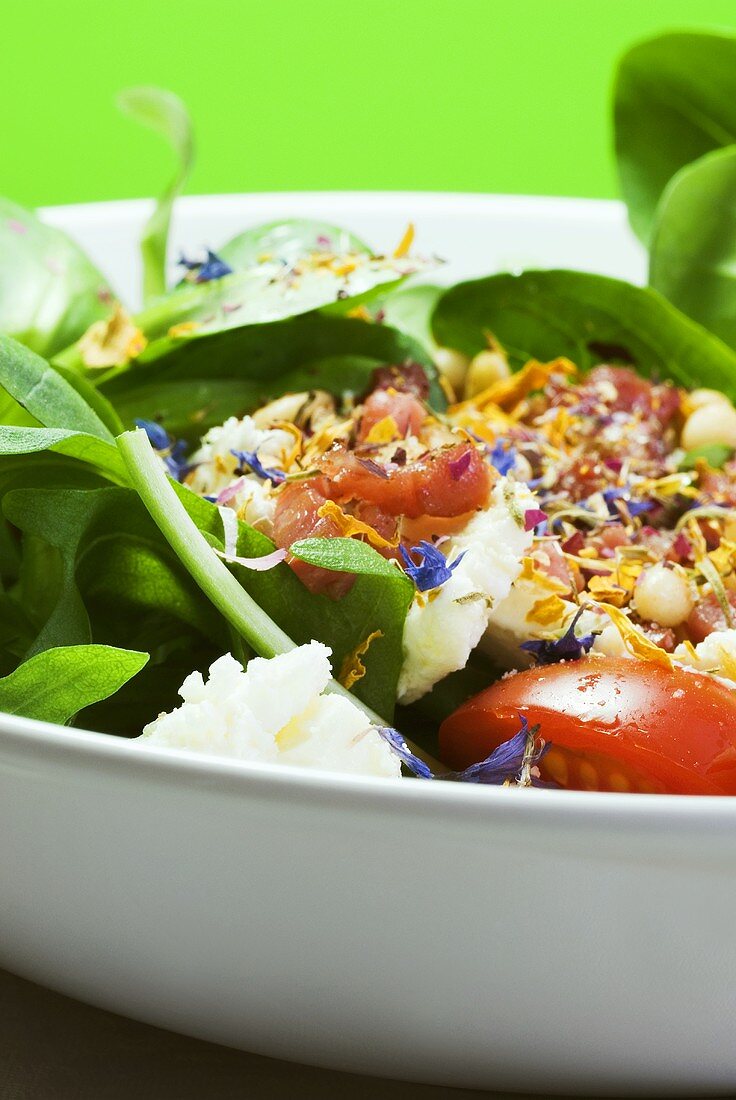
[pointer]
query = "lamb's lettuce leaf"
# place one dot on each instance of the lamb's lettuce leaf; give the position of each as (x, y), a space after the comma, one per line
(165, 113)
(55, 685)
(674, 101)
(50, 293)
(588, 318)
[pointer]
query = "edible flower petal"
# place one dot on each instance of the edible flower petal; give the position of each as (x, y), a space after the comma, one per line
(349, 526)
(113, 342)
(567, 648)
(511, 761)
(205, 271)
(433, 569)
(636, 643)
(259, 565)
(172, 451)
(352, 668)
(633, 507)
(252, 461)
(503, 457)
(534, 517)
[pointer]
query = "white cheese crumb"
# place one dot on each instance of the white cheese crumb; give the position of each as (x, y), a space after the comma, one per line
(214, 462)
(716, 653)
(441, 632)
(274, 712)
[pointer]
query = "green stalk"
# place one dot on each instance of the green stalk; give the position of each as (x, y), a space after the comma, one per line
(148, 477)
(207, 569)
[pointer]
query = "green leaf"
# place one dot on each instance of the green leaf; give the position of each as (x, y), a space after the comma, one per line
(90, 449)
(588, 318)
(715, 454)
(41, 390)
(223, 309)
(410, 310)
(260, 604)
(199, 383)
(674, 101)
(92, 396)
(166, 114)
(50, 293)
(288, 241)
(55, 685)
(692, 257)
(83, 545)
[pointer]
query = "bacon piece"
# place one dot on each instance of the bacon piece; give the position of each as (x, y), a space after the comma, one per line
(296, 518)
(407, 412)
(445, 482)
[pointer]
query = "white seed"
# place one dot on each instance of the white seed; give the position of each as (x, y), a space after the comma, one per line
(486, 368)
(715, 423)
(663, 595)
(453, 366)
(699, 398)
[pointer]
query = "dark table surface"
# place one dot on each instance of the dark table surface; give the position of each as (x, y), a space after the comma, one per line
(54, 1048)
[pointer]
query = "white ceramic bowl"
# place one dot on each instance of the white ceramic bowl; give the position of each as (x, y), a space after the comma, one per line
(525, 940)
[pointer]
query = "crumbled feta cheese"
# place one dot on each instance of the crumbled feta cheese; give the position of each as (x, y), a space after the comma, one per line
(215, 464)
(444, 627)
(716, 653)
(512, 622)
(274, 711)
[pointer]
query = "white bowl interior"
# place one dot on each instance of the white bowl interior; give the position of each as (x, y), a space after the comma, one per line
(476, 234)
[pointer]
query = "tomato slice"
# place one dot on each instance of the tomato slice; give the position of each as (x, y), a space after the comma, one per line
(615, 724)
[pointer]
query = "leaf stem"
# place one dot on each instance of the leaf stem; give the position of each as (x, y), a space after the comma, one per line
(211, 574)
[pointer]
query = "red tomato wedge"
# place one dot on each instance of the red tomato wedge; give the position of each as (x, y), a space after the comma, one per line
(615, 724)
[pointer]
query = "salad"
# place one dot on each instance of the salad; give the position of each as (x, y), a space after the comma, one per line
(311, 507)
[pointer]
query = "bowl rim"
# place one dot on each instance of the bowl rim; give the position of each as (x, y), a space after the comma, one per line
(73, 746)
(458, 203)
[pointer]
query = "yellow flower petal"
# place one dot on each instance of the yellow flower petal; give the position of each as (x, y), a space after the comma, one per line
(184, 328)
(634, 640)
(383, 431)
(547, 611)
(404, 245)
(350, 526)
(111, 343)
(352, 668)
(508, 392)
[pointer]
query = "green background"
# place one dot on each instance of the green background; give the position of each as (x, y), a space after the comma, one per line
(479, 95)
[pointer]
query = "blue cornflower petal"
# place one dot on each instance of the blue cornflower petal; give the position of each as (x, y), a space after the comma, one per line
(634, 507)
(567, 648)
(213, 268)
(252, 461)
(433, 570)
(503, 458)
(404, 753)
(172, 451)
(206, 271)
(158, 437)
(504, 763)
